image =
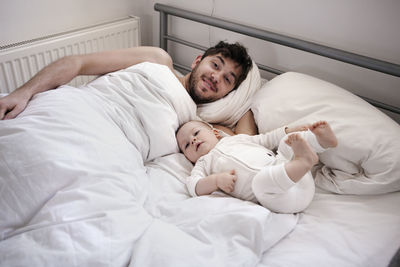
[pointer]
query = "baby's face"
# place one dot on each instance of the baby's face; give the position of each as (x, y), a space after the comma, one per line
(196, 139)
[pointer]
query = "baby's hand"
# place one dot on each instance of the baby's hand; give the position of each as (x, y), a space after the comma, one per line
(299, 128)
(226, 181)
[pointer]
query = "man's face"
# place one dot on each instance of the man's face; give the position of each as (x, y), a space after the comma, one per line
(212, 78)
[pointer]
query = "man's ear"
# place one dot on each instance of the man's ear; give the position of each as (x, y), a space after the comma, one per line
(216, 133)
(196, 61)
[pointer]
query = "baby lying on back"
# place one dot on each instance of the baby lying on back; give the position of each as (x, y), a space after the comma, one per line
(245, 166)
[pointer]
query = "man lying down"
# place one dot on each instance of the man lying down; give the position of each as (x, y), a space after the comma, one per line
(216, 73)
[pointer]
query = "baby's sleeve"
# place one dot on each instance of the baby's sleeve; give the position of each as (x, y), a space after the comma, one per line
(198, 172)
(270, 139)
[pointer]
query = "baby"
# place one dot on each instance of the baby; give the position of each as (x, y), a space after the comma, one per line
(246, 167)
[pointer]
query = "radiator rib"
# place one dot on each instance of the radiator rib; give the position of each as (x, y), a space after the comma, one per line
(20, 61)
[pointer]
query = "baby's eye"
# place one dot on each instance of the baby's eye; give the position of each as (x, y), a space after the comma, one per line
(215, 65)
(197, 132)
(227, 80)
(186, 146)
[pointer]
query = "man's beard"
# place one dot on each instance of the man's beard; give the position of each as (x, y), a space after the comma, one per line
(196, 96)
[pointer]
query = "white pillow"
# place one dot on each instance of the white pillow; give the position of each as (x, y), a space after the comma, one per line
(229, 109)
(367, 159)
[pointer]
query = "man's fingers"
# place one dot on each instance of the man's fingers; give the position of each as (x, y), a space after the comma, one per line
(9, 116)
(2, 113)
(232, 172)
(13, 113)
(233, 187)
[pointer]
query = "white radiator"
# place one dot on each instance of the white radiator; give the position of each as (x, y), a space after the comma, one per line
(19, 62)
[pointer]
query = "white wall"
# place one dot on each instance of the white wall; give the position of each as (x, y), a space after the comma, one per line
(23, 20)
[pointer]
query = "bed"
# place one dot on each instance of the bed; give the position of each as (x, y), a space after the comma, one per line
(91, 176)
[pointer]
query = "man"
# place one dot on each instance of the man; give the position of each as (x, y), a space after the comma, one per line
(217, 72)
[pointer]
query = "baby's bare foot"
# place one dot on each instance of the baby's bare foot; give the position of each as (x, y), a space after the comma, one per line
(302, 150)
(325, 136)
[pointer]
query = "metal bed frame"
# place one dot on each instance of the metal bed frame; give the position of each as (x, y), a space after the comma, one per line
(333, 53)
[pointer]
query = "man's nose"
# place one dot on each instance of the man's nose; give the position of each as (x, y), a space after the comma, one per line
(216, 76)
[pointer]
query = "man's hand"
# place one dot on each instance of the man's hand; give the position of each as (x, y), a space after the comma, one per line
(13, 104)
(226, 181)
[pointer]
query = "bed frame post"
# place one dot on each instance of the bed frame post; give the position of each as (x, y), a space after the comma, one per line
(163, 30)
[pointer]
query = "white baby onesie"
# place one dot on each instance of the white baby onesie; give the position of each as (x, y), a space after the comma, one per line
(261, 174)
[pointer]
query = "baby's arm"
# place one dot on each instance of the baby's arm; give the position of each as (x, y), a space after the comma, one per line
(272, 139)
(224, 181)
(298, 128)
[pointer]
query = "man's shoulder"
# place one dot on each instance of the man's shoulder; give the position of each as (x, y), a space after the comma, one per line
(161, 57)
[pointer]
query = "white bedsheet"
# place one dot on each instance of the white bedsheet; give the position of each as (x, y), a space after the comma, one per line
(75, 192)
(342, 230)
(335, 230)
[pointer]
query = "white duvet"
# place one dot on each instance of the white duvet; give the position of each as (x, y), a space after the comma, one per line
(88, 178)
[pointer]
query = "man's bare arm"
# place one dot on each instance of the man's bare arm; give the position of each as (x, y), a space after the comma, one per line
(247, 124)
(65, 69)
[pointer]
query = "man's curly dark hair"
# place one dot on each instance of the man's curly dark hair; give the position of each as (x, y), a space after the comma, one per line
(237, 53)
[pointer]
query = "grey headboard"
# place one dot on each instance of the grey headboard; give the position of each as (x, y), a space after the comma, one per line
(333, 53)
